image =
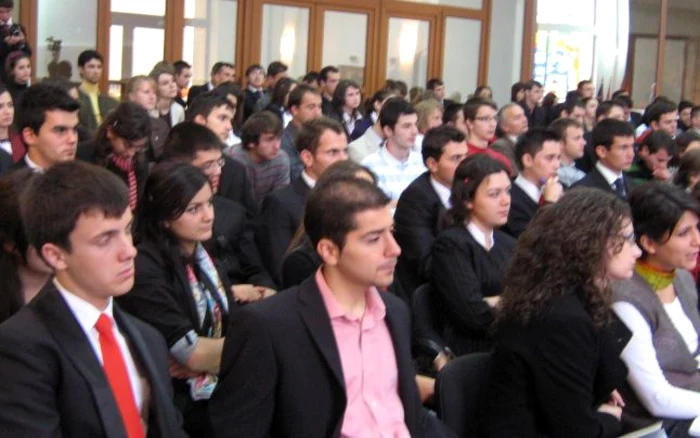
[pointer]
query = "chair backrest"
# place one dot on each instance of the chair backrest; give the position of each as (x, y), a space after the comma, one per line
(422, 308)
(460, 389)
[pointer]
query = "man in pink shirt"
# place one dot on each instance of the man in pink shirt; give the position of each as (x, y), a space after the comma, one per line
(331, 357)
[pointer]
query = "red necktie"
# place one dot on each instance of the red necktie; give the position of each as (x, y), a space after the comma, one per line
(115, 369)
(127, 165)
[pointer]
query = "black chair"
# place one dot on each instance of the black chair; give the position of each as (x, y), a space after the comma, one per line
(427, 342)
(460, 389)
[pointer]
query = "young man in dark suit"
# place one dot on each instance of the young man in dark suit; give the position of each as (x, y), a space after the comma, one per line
(424, 202)
(220, 72)
(614, 147)
(320, 143)
(328, 79)
(75, 364)
(255, 77)
(47, 119)
(536, 115)
(233, 242)
(215, 112)
(538, 152)
(296, 368)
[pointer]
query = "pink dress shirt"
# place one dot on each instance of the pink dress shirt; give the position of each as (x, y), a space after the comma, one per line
(367, 356)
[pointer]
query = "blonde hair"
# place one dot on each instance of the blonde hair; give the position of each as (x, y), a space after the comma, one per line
(135, 82)
(425, 109)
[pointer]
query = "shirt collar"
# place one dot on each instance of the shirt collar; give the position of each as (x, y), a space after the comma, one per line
(513, 138)
(374, 303)
(442, 191)
(32, 165)
(85, 313)
(210, 86)
(8, 22)
(608, 174)
(529, 188)
(308, 180)
(255, 90)
(390, 159)
(479, 235)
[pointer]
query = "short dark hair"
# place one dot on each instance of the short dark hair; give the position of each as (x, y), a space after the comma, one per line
(7, 4)
(397, 86)
(275, 68)
(217, 67)
(624, 101)
(606, 130)
(559, 126)
(471, 107)
(310, 77)
(180, 66)
(323, 74)
(87, 56)
(170, 188)
(451, 111)
(531, 143)
(297, 94)
(205, 103)
(656, 210)
(580, 85)
(689, 165)
(658, 140)
(605, 107)
(311, 132)
(529, 85)
(392, 109)
(571, 104)
(55, 200)
(331, 208)
(252, 68)
(433, 83)
(658, 109)
(188, 138)
(37, 100)
(684, 104)
(469, 175)
(437, 138)
(263, 122)
(684, 140)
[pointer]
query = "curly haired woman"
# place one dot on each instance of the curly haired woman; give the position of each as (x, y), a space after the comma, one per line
(556, 365)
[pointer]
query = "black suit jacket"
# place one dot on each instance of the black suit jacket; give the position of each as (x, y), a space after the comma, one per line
(280, 217)
(417, 218)
(594, 179)
(281, 374)
(250, 98)
(548, 378)
(195, 91)
(233, 245)
(522, 210)
(234, 184)
(54, 384)
(587, 162)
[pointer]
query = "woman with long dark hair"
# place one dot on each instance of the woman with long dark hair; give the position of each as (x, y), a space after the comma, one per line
(346, 103)
(24, 272)
(119, 145)
(177, 288)
(556, 366)
(280, 96)
(469, 257)
(18, 68)
(12, 147)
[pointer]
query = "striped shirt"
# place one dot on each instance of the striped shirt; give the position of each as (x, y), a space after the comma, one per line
(266, 176)
(394, 175)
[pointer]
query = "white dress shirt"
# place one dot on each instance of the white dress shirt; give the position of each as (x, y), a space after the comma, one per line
(308, 180)
(87, 315)
(479, 235)
(529, 188)
(32, 165)
(442, 191)
(608, 174)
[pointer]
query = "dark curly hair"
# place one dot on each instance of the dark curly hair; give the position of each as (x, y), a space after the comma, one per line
(564, 250)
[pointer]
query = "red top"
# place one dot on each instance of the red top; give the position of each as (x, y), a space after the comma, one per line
(473, 150)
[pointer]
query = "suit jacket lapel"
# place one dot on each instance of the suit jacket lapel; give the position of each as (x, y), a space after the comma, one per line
(140, 352)
(59, 319)
(406, 372)
(315, 316)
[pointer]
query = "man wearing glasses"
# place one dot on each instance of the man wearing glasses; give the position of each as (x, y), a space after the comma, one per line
(480, 116)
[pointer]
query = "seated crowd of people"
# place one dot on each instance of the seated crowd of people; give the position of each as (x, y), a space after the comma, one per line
(287, 259)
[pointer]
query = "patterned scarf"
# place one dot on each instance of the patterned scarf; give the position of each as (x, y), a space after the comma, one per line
(126, 164)
(655, 278)
(209, 303)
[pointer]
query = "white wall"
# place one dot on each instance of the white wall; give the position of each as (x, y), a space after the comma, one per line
(505, 47)
(461, 56)
(74, 22)
(285, 21)
(344, 39)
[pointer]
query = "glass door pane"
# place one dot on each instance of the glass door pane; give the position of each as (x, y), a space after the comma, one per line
(348, 31)
(407, 54)
(461, 67)
(286, 37)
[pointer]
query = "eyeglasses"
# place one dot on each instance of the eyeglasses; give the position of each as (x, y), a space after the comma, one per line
(221, 162)
(486, 119)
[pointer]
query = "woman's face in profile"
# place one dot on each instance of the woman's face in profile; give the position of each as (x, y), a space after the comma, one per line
(623, 254)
